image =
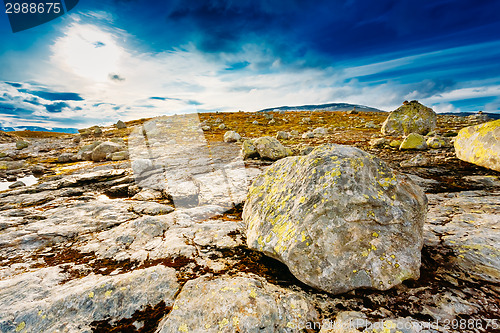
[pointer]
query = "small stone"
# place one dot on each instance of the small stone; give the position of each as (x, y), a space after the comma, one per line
(272, 122)
(417, 161)
(320, 131)
(395, 143)
(370, 124)
(248, 149)
(436, 142)
(379, 142)
(119, 156)
(120, 124)
(100, 153)
(231, 136)
(17, 184)
(222, 126)
(255, 122)
(65, 158)
(414, 141)
(205, 128)
(282, 135)
(21, 144)
(308, 135)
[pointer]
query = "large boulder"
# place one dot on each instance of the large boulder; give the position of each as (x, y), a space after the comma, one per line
(339, 218)
(105, 149)
(411, 117)
(480, 145)
(237, 304)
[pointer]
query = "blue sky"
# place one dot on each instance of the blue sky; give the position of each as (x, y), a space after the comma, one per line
(127, 59)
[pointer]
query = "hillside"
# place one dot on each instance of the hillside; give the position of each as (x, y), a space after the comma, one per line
(136, 229)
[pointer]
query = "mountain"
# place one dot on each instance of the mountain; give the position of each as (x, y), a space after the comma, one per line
(40, 129)
(493, 116)
(326, 107)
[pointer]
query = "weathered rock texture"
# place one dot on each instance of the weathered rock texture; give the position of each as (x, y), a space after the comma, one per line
(480, 145)
(237, 304)
(339, 218)
(409, 118)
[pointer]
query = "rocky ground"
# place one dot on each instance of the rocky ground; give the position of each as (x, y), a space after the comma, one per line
(108, 241)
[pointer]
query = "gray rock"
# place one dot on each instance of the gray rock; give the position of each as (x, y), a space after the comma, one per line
(151, 208)
(119, 156)
(85, 152)
(411, 117)
(379, 142)
(272, 122)
(417, 161)
(270, 148)
(370, 124)
(466, 223)
(320, 131)
(222, 126)
(339, 218)
(105, 149)
(120, 125)
(308, 135)
(36, 303)
(294, 133)
(65, 158)
(237, 304)
(231, 136)
(480, 145)
(282, 135)
(206, 128)
(21, 144)
(248, 150)
(17, 184)
(255, 122)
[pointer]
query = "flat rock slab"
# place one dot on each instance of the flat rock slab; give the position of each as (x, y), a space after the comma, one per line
(237, 304)
(35, 302)
(467, 224)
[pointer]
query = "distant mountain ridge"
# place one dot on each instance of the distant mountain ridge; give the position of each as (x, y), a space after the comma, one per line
(40, 129)
(326, 107)
(493, 116)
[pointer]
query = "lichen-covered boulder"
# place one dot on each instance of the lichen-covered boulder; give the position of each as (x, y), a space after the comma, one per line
(248, 149)
(270, 148)
(414, 141)
(480, 145)
(411, 117)
(339, 218)
(237, 304)
(265, 147)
